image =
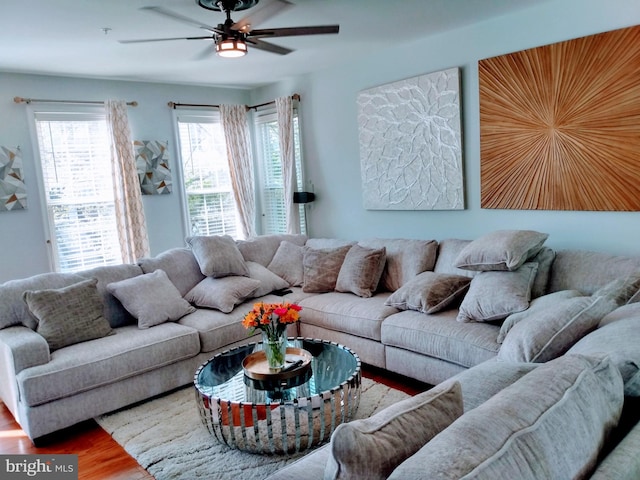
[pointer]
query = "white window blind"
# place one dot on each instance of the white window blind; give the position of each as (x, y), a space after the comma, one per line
(272, 182)
(78, 192)
(209, 198)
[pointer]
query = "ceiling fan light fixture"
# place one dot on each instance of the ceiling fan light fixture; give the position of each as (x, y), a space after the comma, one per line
(231, 48)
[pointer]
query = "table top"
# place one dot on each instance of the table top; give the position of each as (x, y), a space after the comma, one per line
(223, 377)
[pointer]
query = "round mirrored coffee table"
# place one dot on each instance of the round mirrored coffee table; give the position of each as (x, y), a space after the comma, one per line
(280, 416)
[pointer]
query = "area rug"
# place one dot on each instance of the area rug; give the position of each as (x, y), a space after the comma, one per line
(166, 436)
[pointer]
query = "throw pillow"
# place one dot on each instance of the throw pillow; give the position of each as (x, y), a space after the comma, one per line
(222, 293)
(269, 281)
(501, 250)
(321, 268)
(287, 263)
(553, 330)
(429, 292)
(496, 295)
(372, 448)
(262, 248)
(151, 298)
(625, 311)
(551, 423)
(218, 256)
(544, 259)
(534, 309)
(621, 290)
(68, 315)
(619, 340)
(361, 270)
(406, 258)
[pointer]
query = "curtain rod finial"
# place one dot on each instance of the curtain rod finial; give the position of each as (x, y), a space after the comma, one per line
(133, 104)
(20, 100)
(172, 105)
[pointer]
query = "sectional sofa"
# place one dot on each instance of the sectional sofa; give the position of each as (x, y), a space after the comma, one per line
(74, 346)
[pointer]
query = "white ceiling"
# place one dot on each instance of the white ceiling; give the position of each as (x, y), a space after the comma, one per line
(65, 37)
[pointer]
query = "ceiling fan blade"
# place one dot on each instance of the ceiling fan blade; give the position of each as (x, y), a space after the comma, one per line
(181, 18)
(260, 13)
(269, 47)
(205, 53)
(294, 31)
(209, 37)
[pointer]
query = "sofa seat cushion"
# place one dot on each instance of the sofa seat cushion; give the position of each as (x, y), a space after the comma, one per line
(88, 365)
(348, 313)
(217, 329)
(441, 336)
(552, 423)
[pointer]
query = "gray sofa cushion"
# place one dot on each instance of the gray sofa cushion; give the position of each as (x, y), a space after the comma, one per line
(151, 298)
(448, 251)
(180, 266)
(429, 292)
(535, 307)
(89, 365)
(347, 313)
(501, 250)
(588, 271)
(13, 309)
(552, 331)
(68, 315)
(269, 281)
(621, 341)
(568, 405)
(218, 256)
(406, 258)
(361, 270)
(623, 463)
(261, 249)
(372, 448)
(222, 293)
(496, 295)
(439, 334)
(287, 263)
(544, 259)
(114, 312)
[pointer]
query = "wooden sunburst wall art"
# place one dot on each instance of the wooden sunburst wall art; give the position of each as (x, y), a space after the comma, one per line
(560, 125)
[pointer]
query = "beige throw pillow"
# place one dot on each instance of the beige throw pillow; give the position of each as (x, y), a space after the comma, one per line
(287, 263)
(222, 293)
(322, 267)
(68, 315)
(372, 448)
(554, 329)
(218, 256)
(496, 295)
(501, 250)
(269, 281)
(429, 292)
(151, 298)
(361, 271)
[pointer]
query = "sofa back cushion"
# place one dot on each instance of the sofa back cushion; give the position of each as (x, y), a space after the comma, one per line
(13, 309)
(114, 312)
(262, 248)
(372, 448)
(551, 423)
(588, 271)
(180, 266)
(406, 258)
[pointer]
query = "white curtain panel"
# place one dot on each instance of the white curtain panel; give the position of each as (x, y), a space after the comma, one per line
(284, 110)
(236, 134)
(130, 219)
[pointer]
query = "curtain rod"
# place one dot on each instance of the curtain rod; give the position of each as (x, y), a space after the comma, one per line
(174, 105)
(76, 102)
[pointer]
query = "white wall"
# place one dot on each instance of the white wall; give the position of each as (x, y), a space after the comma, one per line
(23, 248)
(330, 131)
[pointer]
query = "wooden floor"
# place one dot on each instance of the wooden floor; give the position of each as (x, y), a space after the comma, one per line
(101, 458)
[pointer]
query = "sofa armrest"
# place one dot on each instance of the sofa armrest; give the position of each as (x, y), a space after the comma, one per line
(21, 347)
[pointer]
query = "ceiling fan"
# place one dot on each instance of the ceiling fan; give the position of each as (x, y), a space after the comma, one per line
(231, 38)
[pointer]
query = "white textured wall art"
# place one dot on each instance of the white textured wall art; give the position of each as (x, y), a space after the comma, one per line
(13, 194)
(152, 163)
(410, 144)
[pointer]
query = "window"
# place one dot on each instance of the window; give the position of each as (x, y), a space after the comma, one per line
(76, 176)
(208, 194)
(270, 172)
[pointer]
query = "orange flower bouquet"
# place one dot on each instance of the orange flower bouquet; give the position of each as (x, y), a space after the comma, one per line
(273, 319)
